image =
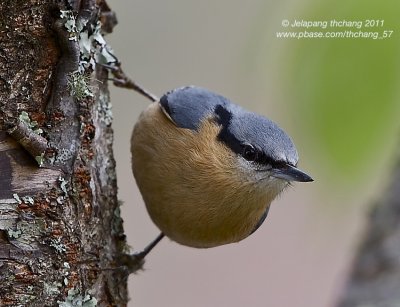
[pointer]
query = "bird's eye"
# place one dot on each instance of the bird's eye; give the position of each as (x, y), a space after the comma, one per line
(249, 153)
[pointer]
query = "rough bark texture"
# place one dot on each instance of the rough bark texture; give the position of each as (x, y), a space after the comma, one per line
(375, 280)
(60, 231)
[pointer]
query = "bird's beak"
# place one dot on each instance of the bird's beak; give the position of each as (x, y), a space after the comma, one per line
(290, 173)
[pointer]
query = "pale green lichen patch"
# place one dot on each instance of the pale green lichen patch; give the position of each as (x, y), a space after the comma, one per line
(103, 53)
(74, 298)
(17, 198)
(52, 288)
(33, 125)
(78, 85)
(15, 234)
(70, 24)
(24, 199)
(58, 245)
(60, 200)
(25, 234)
(94, 48)
(40, 160)
(92, 45)
(63, 185)
(28, 200)
(65, 272)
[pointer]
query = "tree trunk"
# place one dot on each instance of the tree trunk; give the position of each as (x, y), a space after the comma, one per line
(61, 235)
(375, 280)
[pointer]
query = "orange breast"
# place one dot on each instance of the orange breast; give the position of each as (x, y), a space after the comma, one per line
(191, 183)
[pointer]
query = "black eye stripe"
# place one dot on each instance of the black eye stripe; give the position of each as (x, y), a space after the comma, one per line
(250, 153)
(253, 154)
(223, 118)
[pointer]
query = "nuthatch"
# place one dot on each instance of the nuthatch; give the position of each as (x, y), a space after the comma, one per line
(207, 169)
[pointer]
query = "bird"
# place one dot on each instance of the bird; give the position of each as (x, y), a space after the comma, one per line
(208, 169)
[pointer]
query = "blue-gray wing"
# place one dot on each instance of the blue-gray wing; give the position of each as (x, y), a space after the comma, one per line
(188, 106)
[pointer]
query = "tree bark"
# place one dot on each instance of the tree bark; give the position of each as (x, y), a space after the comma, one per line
(375, 279)
(61, 235)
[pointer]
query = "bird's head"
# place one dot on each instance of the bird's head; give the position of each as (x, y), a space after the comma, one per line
(265, 153)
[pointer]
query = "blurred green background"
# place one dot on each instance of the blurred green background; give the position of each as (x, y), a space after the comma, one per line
(337, 98)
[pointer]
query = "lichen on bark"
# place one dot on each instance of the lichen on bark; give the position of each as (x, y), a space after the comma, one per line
(60, 239)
